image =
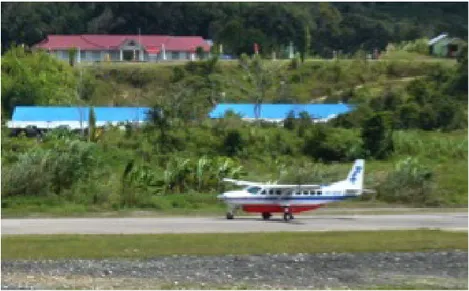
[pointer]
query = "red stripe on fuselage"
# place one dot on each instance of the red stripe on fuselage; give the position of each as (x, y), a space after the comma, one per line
(277, 208)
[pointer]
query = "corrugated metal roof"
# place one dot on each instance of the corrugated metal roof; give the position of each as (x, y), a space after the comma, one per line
(280, 111)
(436, 39)
(58, 113)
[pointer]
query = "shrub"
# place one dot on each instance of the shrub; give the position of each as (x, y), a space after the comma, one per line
(410, 182)
(41, 170)
(377, 135)
(233, 143)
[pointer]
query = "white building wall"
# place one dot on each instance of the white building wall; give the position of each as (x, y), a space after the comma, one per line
(98, 56)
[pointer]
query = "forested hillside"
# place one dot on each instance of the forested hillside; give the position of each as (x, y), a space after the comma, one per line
(317, 28)
(410, 121)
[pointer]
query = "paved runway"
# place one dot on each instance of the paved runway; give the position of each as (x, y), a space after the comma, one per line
(450, 221)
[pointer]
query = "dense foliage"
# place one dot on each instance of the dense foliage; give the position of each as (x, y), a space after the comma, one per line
(403, 107)
(314, 28)
(29, 79)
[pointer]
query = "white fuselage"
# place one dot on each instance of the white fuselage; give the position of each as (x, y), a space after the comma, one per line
(288, 195)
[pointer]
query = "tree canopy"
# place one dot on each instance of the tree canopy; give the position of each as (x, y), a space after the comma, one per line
(321, 27)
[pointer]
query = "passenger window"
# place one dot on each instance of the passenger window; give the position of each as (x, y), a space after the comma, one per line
(271, 192)
(263, 192)
(305, 192)
(253, 190)
(278, 192)
(289, 192)
(298, 193)
(319, 192)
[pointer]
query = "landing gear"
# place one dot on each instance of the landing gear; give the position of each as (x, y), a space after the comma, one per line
(287, 215)
(231, 211)
(266, 215)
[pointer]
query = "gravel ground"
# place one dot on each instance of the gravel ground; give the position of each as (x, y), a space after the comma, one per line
(301, 271)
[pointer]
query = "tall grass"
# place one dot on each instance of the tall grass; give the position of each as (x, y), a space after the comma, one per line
(434, 145)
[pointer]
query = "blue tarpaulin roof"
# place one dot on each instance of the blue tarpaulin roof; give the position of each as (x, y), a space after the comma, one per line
(123, 114)
(280, 111)
(57, 113)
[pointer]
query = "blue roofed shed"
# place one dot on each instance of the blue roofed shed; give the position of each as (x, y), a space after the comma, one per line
(54, 116)
(76, 117)
(278, 112)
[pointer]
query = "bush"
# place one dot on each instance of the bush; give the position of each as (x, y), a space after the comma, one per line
(41, 170)
(377, 135)
(233, 143)
(410, 182)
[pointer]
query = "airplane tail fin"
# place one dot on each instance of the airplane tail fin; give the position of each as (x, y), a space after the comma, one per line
(355, 176)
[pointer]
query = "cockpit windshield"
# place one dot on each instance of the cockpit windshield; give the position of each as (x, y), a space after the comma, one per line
(253, 189)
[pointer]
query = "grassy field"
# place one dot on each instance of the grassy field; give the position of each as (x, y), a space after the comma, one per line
(147, 246)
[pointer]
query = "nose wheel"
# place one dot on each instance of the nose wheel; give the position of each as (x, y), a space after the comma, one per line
(231, 211)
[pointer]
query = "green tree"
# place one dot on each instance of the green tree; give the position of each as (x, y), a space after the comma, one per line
(233, 143)
(72, 54)
(92, 126)
(377, 135)
(199, 51)
(260, 77)
(35, 79)
(289, 122)
(427, 118)
(307, 43)
(408, 116)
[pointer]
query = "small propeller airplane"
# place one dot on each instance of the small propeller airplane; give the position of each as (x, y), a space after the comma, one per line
(289, 199)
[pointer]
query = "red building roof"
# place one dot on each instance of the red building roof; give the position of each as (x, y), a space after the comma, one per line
(114, 42)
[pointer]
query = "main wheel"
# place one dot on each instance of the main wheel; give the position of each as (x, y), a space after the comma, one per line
(266, 215)
(229, 215)
(287, 216)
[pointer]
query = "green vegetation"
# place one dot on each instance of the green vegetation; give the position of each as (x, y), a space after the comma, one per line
(35, 79)
(181, 152)
(145, 246)
(313, 28)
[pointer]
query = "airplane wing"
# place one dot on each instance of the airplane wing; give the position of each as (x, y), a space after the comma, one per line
(242, 183)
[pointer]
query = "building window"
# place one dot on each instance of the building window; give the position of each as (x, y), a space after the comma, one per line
(175, 55)
(96, 55)
(62, 54)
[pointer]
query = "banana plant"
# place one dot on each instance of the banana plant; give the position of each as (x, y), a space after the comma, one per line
(202, 166)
